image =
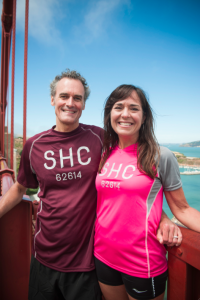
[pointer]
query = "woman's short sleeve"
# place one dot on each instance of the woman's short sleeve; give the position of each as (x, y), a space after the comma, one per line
(168, 170)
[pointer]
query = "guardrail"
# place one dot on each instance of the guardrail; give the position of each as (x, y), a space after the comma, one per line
(15, 242)
(184, 268)
(15, 251)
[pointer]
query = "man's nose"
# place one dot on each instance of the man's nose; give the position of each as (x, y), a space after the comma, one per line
(70, 102)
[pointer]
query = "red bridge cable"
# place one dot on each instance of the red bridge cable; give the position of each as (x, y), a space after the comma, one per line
(1, 100)
(7, 104)
(12, 84)
(25, 70)
(7, 123)
(3, 88)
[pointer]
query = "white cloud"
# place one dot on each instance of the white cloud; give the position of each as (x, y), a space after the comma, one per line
(44, 16)
(42, 19)
(98, 17)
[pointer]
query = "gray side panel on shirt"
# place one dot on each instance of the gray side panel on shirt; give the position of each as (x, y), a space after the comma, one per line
(152, 195)
(168, 170)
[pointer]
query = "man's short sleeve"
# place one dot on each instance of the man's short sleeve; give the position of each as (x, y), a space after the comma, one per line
(168, 170)
(26, 175)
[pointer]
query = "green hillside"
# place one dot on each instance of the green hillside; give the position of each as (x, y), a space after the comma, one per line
(192, 144)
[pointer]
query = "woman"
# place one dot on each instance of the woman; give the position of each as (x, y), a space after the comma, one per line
(133, 173)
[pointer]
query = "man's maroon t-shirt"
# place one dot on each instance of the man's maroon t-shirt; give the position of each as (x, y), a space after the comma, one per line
(64, 165)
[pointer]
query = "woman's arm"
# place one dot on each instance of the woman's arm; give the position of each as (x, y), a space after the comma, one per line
(167, 230)
(187, 215)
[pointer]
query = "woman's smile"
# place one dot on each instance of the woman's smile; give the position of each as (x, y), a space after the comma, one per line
(125, 124)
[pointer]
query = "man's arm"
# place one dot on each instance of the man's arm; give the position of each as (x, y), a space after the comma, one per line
(167, 230)
(11, 198)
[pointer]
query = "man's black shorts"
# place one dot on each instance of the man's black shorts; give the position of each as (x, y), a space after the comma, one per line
(48, 284)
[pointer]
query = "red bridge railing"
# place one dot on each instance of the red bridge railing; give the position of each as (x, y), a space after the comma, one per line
(15, 242)
(184, 268)
(16, 225)
(15, 252)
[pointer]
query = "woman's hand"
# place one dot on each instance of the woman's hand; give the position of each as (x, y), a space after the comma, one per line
(168, 233)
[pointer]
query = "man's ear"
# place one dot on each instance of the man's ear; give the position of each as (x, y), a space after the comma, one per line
(52, 101)
(83, 105)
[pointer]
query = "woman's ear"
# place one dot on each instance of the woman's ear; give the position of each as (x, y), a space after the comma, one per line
(143, 119)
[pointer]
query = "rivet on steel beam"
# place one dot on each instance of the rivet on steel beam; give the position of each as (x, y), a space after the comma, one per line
(179, 251)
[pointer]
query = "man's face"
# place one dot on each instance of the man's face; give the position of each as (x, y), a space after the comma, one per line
(69, 103)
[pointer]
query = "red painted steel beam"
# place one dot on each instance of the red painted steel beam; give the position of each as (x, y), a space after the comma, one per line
(15, 251)
(1, 101)
(7, 6)
(3, 164)
(178, 280)
(25, 70)
(13, 84)
(35, 208)
(6, 182)
(7, 176)
(6, 19)
(189, 250)
(15, 241)
(184, 268)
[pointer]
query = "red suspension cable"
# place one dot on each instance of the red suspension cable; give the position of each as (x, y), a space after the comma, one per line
(1, 100)
(7, 127)
(25, 70)
(12, 84)
(6, 19)
(7, 106)
(4, 79)
(5, 84)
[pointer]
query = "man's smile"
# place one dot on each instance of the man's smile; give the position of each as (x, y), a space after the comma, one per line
(68, 111)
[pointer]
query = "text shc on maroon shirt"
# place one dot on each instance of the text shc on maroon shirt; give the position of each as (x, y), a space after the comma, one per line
(64, 165)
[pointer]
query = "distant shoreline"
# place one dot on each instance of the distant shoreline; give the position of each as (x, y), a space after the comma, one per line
(184, 161)
(192, 144)
(189, 146)
(189, 166)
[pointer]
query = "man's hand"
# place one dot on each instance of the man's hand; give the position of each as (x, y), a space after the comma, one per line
(11, 198)
(33, 226)
(168, 233)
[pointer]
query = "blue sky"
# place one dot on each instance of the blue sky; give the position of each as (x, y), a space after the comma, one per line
(151, 44)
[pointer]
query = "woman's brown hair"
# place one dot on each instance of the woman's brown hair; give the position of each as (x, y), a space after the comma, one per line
(148, 149)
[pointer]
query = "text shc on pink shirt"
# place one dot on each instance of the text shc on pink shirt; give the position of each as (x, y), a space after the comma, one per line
(129, 207)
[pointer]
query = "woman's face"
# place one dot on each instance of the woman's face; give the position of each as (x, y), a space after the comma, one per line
(127, 118)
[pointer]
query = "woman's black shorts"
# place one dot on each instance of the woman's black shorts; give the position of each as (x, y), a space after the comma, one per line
(136, 287)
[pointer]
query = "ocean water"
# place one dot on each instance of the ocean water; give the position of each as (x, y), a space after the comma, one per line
(190, 181)
(191, 188)
(187, 151)
(189, 177)
(184, 170)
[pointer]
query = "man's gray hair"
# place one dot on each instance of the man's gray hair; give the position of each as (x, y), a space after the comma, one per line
(71, 75)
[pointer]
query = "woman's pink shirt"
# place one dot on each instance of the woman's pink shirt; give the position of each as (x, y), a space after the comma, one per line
(129, 207)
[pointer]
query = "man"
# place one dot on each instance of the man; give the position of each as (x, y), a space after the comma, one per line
(64, 161)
